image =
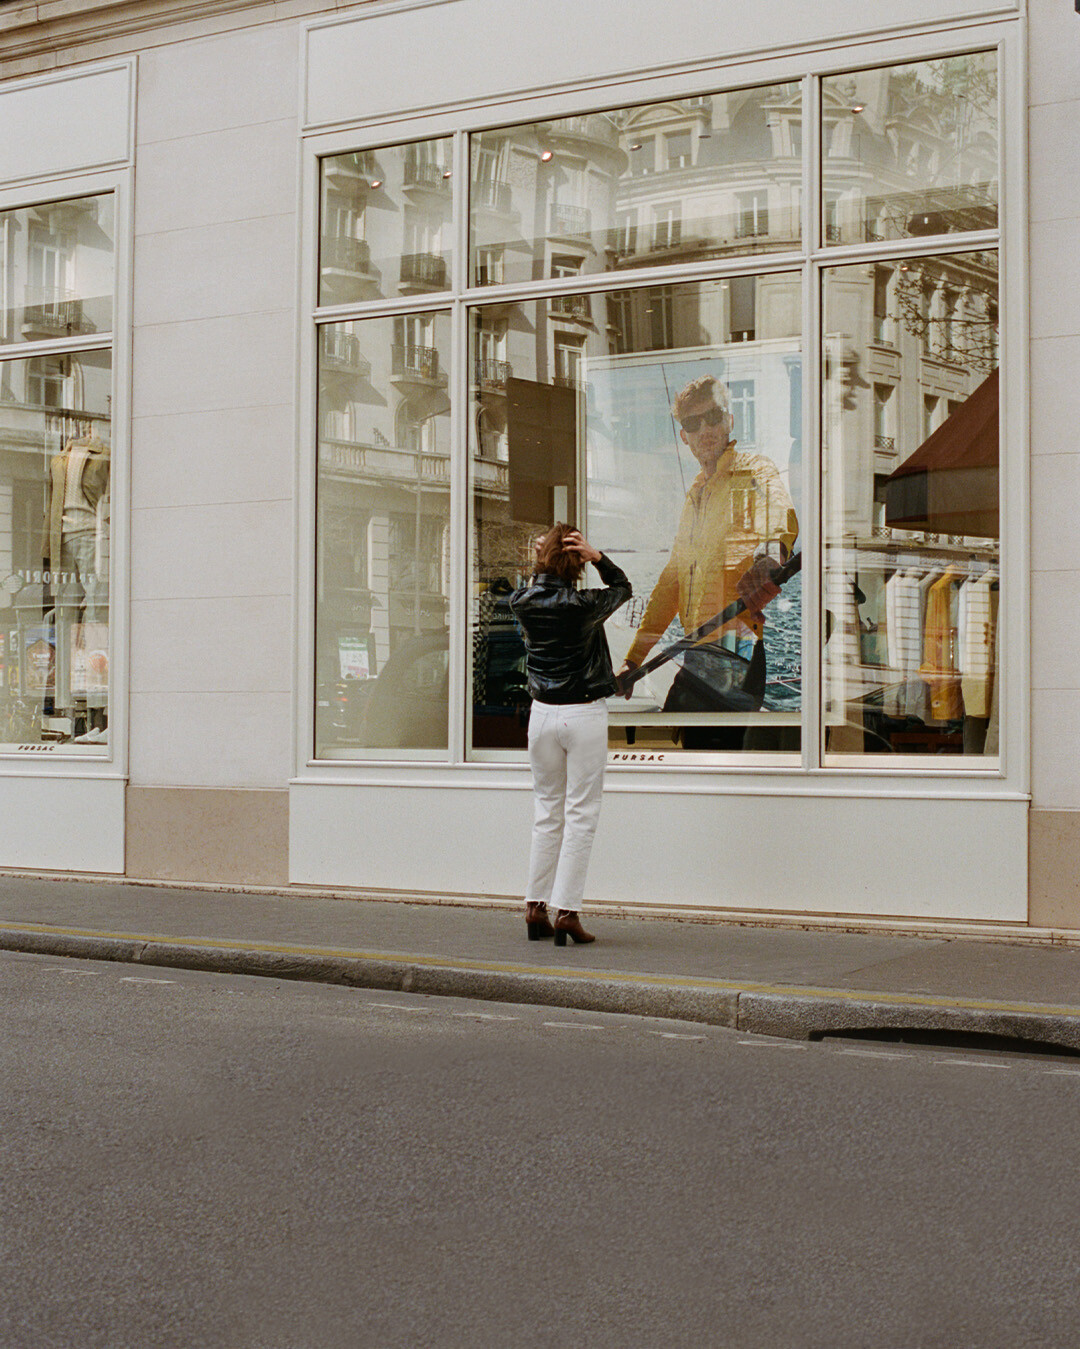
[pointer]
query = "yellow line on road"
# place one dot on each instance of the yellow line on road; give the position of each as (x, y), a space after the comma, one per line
(559, 971)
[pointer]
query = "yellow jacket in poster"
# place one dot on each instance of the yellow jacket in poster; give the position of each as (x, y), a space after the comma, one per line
(725, 518)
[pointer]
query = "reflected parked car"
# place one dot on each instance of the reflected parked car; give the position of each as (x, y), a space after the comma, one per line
(408, 705)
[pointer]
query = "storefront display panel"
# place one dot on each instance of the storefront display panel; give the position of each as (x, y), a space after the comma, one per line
(911, 508)
(386, 222)
(383, 536)
(666, 422)
(57, 267)
(55, 474)
(654, 185)
(910, 150)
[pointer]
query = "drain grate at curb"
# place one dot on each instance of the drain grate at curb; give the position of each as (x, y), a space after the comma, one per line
(982, 1042)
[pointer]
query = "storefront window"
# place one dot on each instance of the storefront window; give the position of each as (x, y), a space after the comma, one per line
(657, 184)
(383, 502)
(663, 413)
(911, 509)
(55, 460)
(676, 443)
(386, 223)
(910, 150)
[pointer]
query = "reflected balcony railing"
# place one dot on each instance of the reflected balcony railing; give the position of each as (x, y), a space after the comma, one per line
(423, 269)
(341, 351)
(342, 254)
(358, 166)
(426, 173)
(411, 362)
(381, 462)
(55, 314)
(755, 224)
(573, 306)
(493, 374)
(882, 442)
(491, 476)
(594, 127)
(492, 196)
(570, 222)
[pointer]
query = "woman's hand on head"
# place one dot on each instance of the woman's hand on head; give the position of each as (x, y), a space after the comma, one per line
(575, 542)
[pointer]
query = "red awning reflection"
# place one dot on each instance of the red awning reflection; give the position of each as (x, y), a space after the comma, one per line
(950, 484)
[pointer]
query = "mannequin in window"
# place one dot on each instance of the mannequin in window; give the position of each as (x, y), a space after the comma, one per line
(75, 545)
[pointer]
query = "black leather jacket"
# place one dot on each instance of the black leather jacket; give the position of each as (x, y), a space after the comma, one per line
(566, 652)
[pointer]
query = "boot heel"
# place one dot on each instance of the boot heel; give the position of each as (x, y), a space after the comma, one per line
(560, 938)
(536, 931)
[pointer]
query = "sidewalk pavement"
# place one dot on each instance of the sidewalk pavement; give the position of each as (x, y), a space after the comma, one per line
(774, 980)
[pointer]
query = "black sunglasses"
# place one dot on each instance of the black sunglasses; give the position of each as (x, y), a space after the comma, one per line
(692, 423)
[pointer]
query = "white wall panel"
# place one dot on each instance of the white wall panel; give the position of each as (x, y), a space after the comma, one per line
(62, 824)
(244, 645)
(176, 191)
(236, 79)
(397, 58)
(242, 549)
(1053, 52)
(238, 267)
(77, 122)
(1055, 501)
(1055, 748)
(203, 458)
(1055, 288)
(1055, 394)
(210, 739)
(240, 361)
(904, 857)
(1055, 158)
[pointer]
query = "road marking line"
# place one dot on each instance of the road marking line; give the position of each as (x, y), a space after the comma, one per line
(58, 969)
(570, 1025)
(771, 1044)
(674, 1035)
(875, 1053)
(397, 1007)
(485, 1016)
(137, 979)
(968, 1063)
(1064, 1072)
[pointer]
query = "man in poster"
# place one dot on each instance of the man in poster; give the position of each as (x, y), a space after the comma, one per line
(737, 529)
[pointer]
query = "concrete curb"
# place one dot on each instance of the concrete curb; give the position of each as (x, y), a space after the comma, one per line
(790, 1013)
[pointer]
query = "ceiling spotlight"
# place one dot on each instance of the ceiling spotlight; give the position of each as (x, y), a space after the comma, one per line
(448, 173)
(636, 145)
(546, 156)
(376, 182)
(858, 107)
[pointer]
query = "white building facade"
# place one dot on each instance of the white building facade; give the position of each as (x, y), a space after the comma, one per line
(312, 317)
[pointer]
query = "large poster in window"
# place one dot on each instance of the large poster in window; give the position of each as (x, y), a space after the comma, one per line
(694, 489)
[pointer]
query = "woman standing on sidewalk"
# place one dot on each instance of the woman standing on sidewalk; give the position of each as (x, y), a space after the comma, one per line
(570, 676)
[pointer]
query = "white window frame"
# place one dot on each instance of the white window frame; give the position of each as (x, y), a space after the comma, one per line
(966, 778)
(67, 760)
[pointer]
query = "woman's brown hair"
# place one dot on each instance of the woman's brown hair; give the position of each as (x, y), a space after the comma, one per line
(552, 555)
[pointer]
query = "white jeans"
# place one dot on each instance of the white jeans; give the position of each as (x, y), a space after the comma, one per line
(568, 748)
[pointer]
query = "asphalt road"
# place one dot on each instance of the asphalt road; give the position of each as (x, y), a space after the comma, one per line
(205, 1160)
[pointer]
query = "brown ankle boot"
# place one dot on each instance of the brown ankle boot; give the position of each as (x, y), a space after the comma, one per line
(568, 923)
(537, 921)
